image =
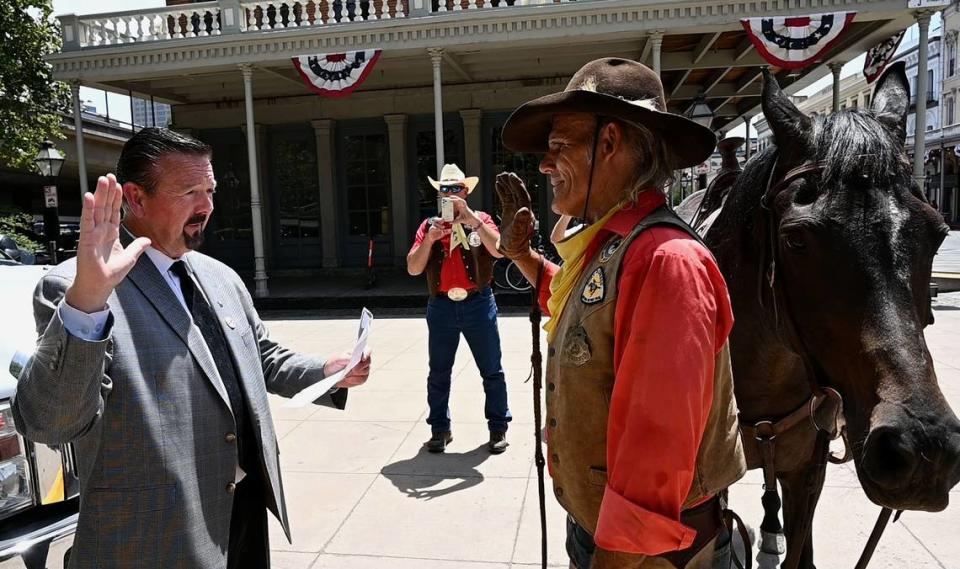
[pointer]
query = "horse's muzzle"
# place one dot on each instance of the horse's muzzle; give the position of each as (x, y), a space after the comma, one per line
(906, 465)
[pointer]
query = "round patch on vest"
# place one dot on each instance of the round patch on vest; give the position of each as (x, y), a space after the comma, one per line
(610, 249)
(474, 239)
(595, 289)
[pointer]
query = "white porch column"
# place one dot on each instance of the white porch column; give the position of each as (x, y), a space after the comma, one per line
(436, 58)
(473, 161)
(262, 177)
(656, 39)
(835, 68)
(323, 130)
(399, 194)
(78, 124)
(920, 130)
(260, 271)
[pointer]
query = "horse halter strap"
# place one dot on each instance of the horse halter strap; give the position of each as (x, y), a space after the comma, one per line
(765, 432)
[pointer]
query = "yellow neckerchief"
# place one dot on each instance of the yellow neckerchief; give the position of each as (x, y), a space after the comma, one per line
(458, 237)
(573, 251)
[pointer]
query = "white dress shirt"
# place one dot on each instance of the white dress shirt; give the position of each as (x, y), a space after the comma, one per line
(90, 326)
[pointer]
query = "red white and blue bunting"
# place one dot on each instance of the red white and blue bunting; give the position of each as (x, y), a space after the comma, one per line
(336, 74)
(795, 42)
(879, 56)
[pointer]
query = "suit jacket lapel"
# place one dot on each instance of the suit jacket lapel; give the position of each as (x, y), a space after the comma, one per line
(222, 302)
(155, 288)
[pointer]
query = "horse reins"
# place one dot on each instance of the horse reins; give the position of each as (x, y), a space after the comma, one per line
(765, 432)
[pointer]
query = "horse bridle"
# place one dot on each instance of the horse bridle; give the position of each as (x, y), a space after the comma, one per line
(766, 431)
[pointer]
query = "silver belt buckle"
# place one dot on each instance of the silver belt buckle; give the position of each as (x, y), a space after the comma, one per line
(457, 294)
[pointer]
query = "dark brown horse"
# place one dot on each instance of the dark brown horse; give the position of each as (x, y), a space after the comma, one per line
(827, 244)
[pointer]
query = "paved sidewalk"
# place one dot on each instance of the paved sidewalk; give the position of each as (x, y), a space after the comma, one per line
(363, 495)
(947, 259)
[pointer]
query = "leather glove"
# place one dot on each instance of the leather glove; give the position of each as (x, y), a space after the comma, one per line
(517, 221)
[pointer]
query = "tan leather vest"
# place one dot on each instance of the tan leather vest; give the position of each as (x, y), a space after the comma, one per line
(580, 381)
(477, 261)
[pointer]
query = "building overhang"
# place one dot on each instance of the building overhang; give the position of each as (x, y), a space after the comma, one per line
(705, 51)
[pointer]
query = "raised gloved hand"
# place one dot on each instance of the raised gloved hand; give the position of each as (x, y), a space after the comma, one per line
(517, 221)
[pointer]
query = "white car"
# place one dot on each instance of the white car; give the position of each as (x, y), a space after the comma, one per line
(39, 487)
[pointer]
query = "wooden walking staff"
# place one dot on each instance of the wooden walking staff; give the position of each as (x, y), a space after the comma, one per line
(514, 199)
(536, 359)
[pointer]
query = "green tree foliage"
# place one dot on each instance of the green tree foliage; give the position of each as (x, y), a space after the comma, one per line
(30, 100)
(19, 226)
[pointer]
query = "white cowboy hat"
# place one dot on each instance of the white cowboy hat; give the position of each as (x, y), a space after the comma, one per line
(452, 174)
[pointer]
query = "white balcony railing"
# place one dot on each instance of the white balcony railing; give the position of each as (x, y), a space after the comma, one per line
(221, 17)
(269, 14)
(173, 22)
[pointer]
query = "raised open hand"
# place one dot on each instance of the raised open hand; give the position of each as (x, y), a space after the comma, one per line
(517, 221)
(102, 262)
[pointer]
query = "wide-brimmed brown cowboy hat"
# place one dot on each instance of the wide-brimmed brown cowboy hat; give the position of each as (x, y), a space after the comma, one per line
(615, 88)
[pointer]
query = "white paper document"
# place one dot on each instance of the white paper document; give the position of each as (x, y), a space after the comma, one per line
(315, 391)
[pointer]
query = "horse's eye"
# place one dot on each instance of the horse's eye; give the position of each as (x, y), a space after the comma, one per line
(806, 194)
(794, 241)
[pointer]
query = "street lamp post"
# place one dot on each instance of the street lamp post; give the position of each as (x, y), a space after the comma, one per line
(49, 161)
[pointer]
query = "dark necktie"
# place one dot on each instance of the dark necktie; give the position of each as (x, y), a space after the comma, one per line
(209, 326)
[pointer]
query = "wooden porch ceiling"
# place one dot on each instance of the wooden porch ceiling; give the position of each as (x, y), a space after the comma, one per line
(721, 66)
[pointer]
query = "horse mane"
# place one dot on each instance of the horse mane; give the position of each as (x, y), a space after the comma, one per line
(850, 144)
(854, 144)
(744, 197)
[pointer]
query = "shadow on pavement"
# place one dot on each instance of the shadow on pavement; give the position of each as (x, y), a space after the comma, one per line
(423, 475)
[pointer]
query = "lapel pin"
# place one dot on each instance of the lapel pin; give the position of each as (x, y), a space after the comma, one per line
(230, 322)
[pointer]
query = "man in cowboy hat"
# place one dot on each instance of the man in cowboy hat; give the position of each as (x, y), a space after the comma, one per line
(641, 422)
(458, 259)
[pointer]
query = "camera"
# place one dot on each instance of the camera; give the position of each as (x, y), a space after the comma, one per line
(446, 210)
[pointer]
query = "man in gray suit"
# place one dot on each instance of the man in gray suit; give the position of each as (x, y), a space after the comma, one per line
(157, 367)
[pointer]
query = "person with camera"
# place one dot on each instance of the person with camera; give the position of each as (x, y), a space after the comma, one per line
(456, 250)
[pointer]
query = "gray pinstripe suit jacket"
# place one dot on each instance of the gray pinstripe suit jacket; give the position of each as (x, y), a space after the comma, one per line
(149, 415)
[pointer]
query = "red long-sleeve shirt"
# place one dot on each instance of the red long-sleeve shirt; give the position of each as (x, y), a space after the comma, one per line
(673, 316)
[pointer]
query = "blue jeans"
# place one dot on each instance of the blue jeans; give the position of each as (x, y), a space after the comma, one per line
(476, 319)
(580, 547)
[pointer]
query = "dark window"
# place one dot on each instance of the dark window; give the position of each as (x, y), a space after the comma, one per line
(526, 166)
(229, 235)
(231, 220)
(293, 190)
(367, 182)
(297, 191)
(426, 148)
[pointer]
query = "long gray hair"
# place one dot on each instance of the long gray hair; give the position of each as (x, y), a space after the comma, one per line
(654, 168)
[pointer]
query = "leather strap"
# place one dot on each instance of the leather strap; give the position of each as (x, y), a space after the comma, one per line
(882, 521)
(707, 520)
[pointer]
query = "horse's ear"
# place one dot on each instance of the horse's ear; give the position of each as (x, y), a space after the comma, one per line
(891, 99)
(786, 121)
